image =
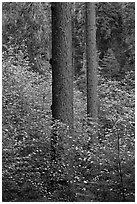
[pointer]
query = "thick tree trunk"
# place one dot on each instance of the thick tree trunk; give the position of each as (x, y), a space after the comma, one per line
(92, 80)
(62, 71)
(62, 80)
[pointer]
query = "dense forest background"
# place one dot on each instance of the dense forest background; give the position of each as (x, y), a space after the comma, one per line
(103, 170)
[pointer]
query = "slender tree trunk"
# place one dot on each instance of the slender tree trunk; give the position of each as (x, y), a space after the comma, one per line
(62, 78)
(92, 80)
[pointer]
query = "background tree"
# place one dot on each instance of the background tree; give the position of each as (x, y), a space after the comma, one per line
(113, 32)
(115, 38)
(78, 38)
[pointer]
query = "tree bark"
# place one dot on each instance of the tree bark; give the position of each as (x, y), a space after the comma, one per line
(62, 71)
(92, 80)
(62, 79)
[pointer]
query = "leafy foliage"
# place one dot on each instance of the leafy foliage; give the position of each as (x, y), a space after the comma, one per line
(26, 26)
(113, 31)
(26, 118)
(98, 167)
(107, 165)
(103, 170)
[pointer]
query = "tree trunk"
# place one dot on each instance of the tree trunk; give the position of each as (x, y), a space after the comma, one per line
(62, 72)
(62, 77)
(92, 80)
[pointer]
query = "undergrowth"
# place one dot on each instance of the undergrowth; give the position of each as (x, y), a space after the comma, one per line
(103, 170)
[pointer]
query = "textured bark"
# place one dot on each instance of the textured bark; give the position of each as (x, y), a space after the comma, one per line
(92, 109)
(62, 71)
(92, 80)
(62, 81)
